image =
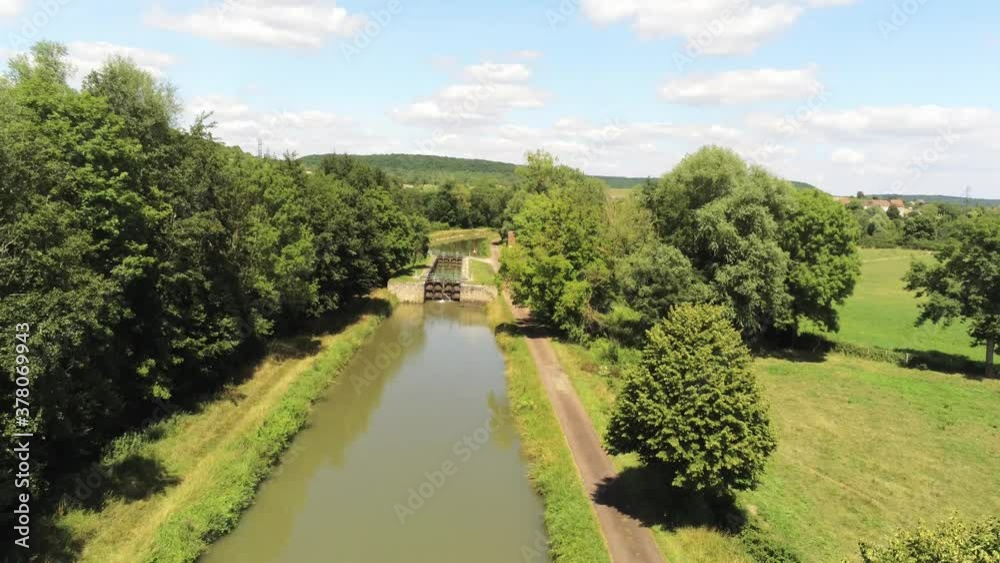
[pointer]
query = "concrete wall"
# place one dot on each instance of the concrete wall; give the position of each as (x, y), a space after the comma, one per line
(408, 292)
(478, 293)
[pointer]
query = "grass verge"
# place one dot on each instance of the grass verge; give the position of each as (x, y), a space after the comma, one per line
(456, 235)
(863, 447)
(482, 273)
(574, 535)
(191, 475)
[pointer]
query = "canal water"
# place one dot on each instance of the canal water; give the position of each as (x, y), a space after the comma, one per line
(411, 456)
(471, 247)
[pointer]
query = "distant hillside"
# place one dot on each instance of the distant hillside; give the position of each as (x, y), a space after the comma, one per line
(958, 200)
(425, 169)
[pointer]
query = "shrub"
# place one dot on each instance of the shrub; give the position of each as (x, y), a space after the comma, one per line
(692, 406)
(952, 541)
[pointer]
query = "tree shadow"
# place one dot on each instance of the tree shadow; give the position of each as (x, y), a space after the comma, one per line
(645, 493)
(132, 478)
(813, 348)
(294, 348)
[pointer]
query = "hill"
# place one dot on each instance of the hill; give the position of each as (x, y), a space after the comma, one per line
(958, 200)
(426, 169)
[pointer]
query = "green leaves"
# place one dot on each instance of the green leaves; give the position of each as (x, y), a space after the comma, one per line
(952, 541)
(693, 407)
(964, 282)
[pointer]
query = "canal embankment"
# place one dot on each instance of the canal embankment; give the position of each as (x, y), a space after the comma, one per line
(165, 493)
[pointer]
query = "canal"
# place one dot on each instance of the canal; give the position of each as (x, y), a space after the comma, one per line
(412, 456)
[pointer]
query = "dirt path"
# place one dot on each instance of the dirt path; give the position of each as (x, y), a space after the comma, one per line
(627, 540)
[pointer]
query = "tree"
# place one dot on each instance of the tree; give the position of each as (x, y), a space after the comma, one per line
(964, 282)
(653, 280)
(557, 266)
(952, 541)
(893, 213)
(821, 239)
(692, 407)
(763, 247)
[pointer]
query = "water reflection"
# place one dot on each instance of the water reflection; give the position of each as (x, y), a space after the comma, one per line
(416, 398)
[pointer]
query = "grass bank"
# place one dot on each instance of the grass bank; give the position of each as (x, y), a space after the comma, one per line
(456, 235)
(574, 535)
(183, 482)
(881, 313)
(863, 447)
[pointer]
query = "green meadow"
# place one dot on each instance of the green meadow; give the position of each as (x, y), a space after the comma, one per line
(882, 313)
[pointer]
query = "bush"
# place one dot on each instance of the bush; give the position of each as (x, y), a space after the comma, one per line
(952, 541)
(692, 406)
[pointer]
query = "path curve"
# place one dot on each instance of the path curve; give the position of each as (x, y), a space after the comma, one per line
(627, 540)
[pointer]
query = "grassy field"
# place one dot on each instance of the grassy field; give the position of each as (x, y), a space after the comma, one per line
(863, 446)
(574, 536)
(881, 313)
(482, 273)
(185, 480)
(455, 235)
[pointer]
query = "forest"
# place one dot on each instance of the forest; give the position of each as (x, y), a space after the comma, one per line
(150, 260)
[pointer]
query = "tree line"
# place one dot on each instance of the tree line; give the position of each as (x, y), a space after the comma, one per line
(149, 259)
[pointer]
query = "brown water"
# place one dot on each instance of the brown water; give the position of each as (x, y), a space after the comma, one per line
(470, 247)
(411, 457)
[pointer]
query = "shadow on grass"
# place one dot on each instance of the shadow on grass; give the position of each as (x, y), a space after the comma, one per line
(814, 349)
(132, 478)
(644, 493)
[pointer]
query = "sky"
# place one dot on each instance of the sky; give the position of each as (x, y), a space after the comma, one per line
(877, 96)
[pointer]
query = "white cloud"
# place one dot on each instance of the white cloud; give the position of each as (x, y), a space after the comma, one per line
(303, 132)
(717, 26)
(87, 57)
(10, 8)
(847, 156)
(498, 72)
(742, 86)
(487, 93)
(272, 23)
(527, 54)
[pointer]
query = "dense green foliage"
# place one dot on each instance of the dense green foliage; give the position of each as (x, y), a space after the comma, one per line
(419, 169)
(952, 541)
(772, 254)
(556, 264)
(712, 230)
(927, 226)
(964, 282)
(147, 259)
(692, 407)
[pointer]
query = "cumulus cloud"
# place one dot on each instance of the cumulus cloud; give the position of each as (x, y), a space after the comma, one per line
(742, 86)
(10, 8)
(847, 156)
(270, 23)
(486, 93)
(303, 131)
(720, 26)
(87, 57)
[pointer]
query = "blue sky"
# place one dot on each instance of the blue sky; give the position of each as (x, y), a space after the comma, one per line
(872, 95)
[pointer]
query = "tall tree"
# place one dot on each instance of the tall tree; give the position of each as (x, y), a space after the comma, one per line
(692, 408)
(964, 282)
